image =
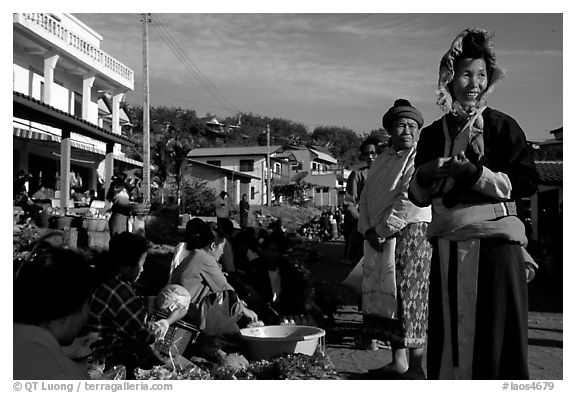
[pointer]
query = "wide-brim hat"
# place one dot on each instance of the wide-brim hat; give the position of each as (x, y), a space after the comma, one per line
(446, 73)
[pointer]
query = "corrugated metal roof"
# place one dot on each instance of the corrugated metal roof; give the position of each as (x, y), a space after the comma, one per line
(324, 156)
(232, 151)
(550, 172)
(225, 170)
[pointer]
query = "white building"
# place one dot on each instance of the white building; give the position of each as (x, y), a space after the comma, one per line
(68, 99)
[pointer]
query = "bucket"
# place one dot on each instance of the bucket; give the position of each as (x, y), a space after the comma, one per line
(63, 222)
(267, 341)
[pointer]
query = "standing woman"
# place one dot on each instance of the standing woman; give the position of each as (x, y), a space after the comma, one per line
(471, 166)
(118, 195)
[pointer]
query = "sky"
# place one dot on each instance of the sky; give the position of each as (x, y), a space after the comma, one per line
(333, 69)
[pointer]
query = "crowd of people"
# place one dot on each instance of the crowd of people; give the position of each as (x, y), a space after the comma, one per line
(430, 217)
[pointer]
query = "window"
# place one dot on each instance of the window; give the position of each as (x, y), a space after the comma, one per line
(77, 104)
(214, 162)
(297, 167)
(252, 192)
(246, 165)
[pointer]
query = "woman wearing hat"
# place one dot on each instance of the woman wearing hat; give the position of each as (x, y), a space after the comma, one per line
(471, 166)
(396, 251)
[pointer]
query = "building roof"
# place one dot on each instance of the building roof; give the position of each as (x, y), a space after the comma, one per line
(28, 108)
(324, 156)
(232, 151)
(550, 172)
(239, 175)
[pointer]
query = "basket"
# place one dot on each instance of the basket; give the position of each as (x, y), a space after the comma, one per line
(139, 209)
(180, 334)
(267, 341)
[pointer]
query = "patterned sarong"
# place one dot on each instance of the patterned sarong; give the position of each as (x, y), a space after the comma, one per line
(407, 328)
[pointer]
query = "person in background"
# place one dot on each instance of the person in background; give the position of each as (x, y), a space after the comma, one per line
(226, 227)
(183, 249)
(275, 286)
(244, 210)
(222, 206)
(51, 295)
(118, 196)
(396, 251)
(354, 186)
(470, 167)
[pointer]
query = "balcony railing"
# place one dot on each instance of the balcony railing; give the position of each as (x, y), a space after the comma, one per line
(71, 39)
(334, 171)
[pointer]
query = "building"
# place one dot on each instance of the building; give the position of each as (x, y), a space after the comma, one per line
(221, 179)
(546, 205)
(249, 160)
(287, 163)
(327, 178)
(68, 103)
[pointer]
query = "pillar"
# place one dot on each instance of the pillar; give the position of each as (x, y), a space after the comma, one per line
(49, 66)
(65, 150)
(109, 166)
(87, 84)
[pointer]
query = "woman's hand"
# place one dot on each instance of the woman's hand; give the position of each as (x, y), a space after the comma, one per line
(461, 168)
(160, 328)
(251, 315)
(433, 170)
(375, 241)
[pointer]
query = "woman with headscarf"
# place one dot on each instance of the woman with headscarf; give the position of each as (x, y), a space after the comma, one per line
(471, 166)
(396, 251)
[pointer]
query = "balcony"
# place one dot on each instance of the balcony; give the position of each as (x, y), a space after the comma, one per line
(328, 171)
(47, 27)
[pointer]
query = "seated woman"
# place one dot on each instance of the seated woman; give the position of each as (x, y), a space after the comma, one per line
(118, 314)
(214, 308)
(51, 294)
(277, 287)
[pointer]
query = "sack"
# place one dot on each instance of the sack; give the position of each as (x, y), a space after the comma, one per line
(354, 279)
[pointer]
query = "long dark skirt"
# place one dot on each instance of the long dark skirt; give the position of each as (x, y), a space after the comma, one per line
(478, 325)
(412, 259)
(118, 223)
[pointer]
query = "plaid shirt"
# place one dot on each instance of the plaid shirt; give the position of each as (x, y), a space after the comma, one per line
(116, 312)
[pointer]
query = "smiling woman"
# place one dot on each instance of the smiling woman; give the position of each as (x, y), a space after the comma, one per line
(470, 167)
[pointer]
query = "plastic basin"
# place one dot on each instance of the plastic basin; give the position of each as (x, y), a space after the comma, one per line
(267, 341)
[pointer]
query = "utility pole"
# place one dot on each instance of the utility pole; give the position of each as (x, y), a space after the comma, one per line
(146, 113)
(268, 165)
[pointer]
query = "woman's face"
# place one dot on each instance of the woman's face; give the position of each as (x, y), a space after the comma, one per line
(216, 249)
(470, 80)
(134, 272)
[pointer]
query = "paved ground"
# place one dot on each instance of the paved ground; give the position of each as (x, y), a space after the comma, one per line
(545, 324)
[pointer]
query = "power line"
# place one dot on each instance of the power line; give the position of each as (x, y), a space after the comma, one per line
(165, 35)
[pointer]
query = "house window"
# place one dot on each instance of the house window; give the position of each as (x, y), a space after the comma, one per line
(214, 162)
(252, 192)
(77, 104)
(297, 167)
(277, 168)
(246, 165)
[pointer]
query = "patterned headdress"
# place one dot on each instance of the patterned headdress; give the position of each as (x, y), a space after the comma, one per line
(473, 36)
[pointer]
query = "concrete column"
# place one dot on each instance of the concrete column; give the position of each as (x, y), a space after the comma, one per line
(109, 166)
(65, 150)
(87, 84)
(116, 99)
(237, 191)
(49, 66)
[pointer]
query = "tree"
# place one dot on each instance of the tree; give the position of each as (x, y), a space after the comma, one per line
(342, 143)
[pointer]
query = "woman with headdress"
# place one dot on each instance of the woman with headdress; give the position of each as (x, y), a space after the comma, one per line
(472, 164)
(118, 195)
